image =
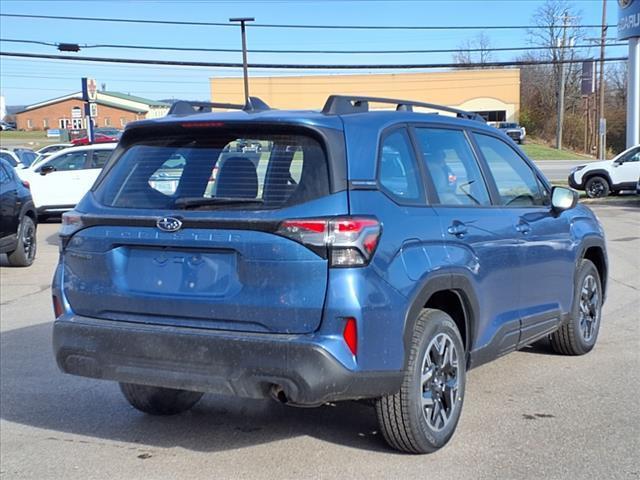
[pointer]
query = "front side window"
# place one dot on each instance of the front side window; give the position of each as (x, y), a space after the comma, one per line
(632, 156)
(517, 183)
(398, 172)
(69, 161)
(452, 166)
(217, 169)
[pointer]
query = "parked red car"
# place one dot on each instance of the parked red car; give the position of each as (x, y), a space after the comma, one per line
(99, 138)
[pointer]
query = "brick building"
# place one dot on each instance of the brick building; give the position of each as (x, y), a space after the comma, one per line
(114, 110)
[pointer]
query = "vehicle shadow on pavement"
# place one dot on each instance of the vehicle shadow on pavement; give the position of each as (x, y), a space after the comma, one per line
(33, 392)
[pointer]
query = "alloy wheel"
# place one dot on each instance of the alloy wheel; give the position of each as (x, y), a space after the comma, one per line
(596, 189)
(29, 241)
(589, 307)
(440, 382)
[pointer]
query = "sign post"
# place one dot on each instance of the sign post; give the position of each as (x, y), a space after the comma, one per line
(90, 95)
(629, 29)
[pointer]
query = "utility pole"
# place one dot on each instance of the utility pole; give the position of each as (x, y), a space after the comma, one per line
(561, 89)
(245, 69)
(602, 127)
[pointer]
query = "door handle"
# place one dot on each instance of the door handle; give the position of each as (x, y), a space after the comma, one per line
(523, 227)
(457, 228)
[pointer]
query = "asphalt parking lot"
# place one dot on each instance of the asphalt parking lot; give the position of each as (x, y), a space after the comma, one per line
(531, 414)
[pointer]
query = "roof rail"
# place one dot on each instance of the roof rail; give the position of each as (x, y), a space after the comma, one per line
(183, 107)
(344, 104)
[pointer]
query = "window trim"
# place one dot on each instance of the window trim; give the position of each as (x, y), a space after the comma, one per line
(434, 199)
(494, 186)
(421, 201)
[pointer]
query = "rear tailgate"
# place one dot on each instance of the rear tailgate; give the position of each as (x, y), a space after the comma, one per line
(183, 233)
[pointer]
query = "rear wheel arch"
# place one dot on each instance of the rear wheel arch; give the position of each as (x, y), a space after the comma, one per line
(451, 293)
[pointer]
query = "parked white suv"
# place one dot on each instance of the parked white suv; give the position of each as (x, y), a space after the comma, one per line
(598, 179)
(61, 180)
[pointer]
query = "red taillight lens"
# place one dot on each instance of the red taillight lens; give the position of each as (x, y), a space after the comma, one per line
(350, 335)
(26, 184)
(348, 241)
(58, 309)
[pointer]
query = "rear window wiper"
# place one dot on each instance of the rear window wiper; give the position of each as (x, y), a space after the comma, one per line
(196, 202)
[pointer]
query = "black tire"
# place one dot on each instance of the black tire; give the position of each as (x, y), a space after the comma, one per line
(571, 338)
(25, 252)
(597, 187)
(159, 400)
(403, 416)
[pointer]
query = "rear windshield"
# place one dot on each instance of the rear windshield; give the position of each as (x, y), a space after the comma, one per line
(220, 170)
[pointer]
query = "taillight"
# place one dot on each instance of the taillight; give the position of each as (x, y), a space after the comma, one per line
(350, 335)
(347, 241)
(26, 184)
(71, 223)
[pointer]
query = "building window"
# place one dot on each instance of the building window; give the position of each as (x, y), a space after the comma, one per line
(123, 121)
(107, 121)
(29, 123)
(64, 123)
(45, 123)
(77, 123)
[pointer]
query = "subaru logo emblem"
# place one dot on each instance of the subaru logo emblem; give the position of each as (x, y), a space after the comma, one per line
(169, 224)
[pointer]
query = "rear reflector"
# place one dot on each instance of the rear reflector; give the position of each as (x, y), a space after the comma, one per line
(348, 241)
(58, 309)
(350, 335)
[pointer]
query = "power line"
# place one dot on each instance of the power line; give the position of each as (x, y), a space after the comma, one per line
(236, 50)
(290, 66)
(284, 25)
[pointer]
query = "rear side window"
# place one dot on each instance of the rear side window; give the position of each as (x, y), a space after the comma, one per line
(453, 167)
(9, 158)
(517, 184)
(99, 158)
(219, 169)
(398, 173)
(4, 175)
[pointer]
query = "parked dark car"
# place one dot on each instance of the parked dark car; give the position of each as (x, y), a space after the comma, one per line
(367, 255)
(19, 219)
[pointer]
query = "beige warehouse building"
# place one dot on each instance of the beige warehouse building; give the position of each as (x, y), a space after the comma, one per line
(494, 93)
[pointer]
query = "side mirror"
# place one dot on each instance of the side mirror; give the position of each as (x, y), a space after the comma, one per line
(617, 163)
(47, 169)
(563, 198)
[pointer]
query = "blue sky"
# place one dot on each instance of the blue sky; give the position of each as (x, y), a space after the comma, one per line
(24, 81)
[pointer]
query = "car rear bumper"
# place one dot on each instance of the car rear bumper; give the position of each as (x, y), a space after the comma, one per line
(241, 364)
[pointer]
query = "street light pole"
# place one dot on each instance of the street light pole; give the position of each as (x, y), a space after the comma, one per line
(602, 128)
(245, 70)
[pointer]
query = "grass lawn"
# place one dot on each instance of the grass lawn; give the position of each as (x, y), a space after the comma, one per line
(537, 151)
(14, 134)
(34, 140)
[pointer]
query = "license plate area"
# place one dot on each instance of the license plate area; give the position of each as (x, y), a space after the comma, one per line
(184, 272)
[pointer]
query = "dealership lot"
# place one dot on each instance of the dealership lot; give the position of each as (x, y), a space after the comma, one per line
(529, 414)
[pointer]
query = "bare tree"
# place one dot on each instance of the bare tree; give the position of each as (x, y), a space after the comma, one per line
(474, 50)
(559, 20)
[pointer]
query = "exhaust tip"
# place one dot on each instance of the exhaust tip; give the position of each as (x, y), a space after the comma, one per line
(277, 393)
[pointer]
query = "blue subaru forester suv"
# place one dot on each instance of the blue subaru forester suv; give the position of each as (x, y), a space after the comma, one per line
(315, 256)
